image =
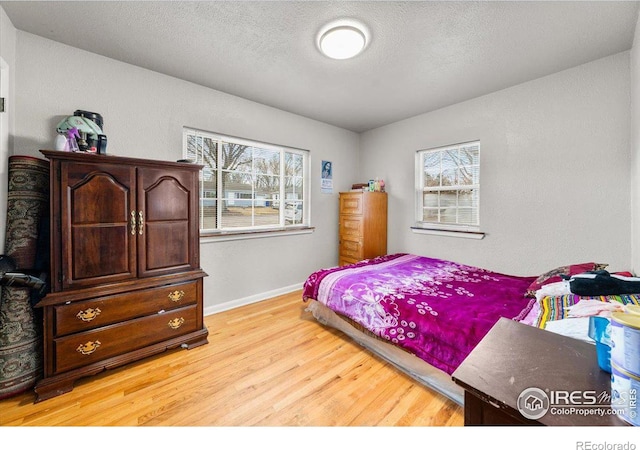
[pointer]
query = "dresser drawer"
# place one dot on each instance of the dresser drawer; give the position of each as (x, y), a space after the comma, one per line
(96, 345)
(351, 226)
(351, 249)
(351, 203)
(89, 314)
(346, 261)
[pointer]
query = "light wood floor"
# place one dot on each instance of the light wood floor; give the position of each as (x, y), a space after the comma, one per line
(266, 364)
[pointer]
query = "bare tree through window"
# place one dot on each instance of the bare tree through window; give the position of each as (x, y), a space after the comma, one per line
(246, 186)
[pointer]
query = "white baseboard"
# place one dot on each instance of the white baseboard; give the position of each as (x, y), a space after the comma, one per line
(251, 299)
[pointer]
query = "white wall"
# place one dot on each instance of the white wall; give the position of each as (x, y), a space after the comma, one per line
(555, 181)
(144, 113)
(556, 184)
(7, 85)
(635, 150)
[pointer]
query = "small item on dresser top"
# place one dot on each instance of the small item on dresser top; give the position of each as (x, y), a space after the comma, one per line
(72, 143)
(60, 143)
(632, 309)
(102, 144)
(92, 116)
(625, 341)
(601, 282)
(88, 131)
(360, 187)
(624, 391)
(600, 332)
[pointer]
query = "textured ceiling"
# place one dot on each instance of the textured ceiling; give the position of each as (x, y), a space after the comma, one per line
(423, 55)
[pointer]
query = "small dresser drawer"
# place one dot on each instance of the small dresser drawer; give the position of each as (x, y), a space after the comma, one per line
(351, 226)
(346, 261)
(89, 314)
(96, 345)
(351, 249)
(351, 203)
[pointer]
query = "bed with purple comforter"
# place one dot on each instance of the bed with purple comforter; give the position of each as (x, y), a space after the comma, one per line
(435, 309)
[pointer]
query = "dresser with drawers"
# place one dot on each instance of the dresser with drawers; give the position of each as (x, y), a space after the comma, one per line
(125, 273)
(363, 226)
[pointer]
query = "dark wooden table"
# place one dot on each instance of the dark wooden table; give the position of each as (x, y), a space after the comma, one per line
(514, 357)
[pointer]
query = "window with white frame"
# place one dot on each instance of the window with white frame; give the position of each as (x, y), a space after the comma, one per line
(247, 185)
(448, 187)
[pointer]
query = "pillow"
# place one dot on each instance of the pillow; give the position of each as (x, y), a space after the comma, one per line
(553, 276)
(623, 274)
(557, 307)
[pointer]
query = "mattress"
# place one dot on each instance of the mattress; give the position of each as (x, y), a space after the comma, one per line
(402, 360)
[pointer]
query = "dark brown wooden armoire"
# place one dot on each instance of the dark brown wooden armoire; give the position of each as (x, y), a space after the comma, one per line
(125, 273)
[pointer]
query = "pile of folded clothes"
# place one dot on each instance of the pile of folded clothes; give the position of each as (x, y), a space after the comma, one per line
(565, 306)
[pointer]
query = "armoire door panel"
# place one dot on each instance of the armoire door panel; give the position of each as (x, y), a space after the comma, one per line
(104, 252)
(167, 200)
(102, 190)
(173, 253)
(96, 223)
(169, 233)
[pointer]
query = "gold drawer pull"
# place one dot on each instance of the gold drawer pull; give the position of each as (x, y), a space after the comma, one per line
(176, 296)
(88, 348)
(89, 314)
(176, 323)
(140, 223)
(133, 223)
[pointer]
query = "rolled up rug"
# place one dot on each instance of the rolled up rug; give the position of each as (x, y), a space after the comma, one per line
(20, 326)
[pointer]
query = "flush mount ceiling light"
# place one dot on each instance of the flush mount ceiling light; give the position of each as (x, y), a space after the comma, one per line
(343, 39)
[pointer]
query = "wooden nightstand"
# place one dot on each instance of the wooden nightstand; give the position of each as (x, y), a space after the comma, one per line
(514, 357)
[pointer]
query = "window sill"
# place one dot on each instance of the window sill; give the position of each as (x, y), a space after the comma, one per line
(449, 233)
(253, 234)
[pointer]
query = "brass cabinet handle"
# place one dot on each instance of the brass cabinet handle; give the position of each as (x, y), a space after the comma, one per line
(88, 314)
(88, 348)
(133, 223)
(140, 222)
(176, 296)
(176, 323)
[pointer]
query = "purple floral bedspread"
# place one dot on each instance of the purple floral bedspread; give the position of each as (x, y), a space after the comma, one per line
(436, 309)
